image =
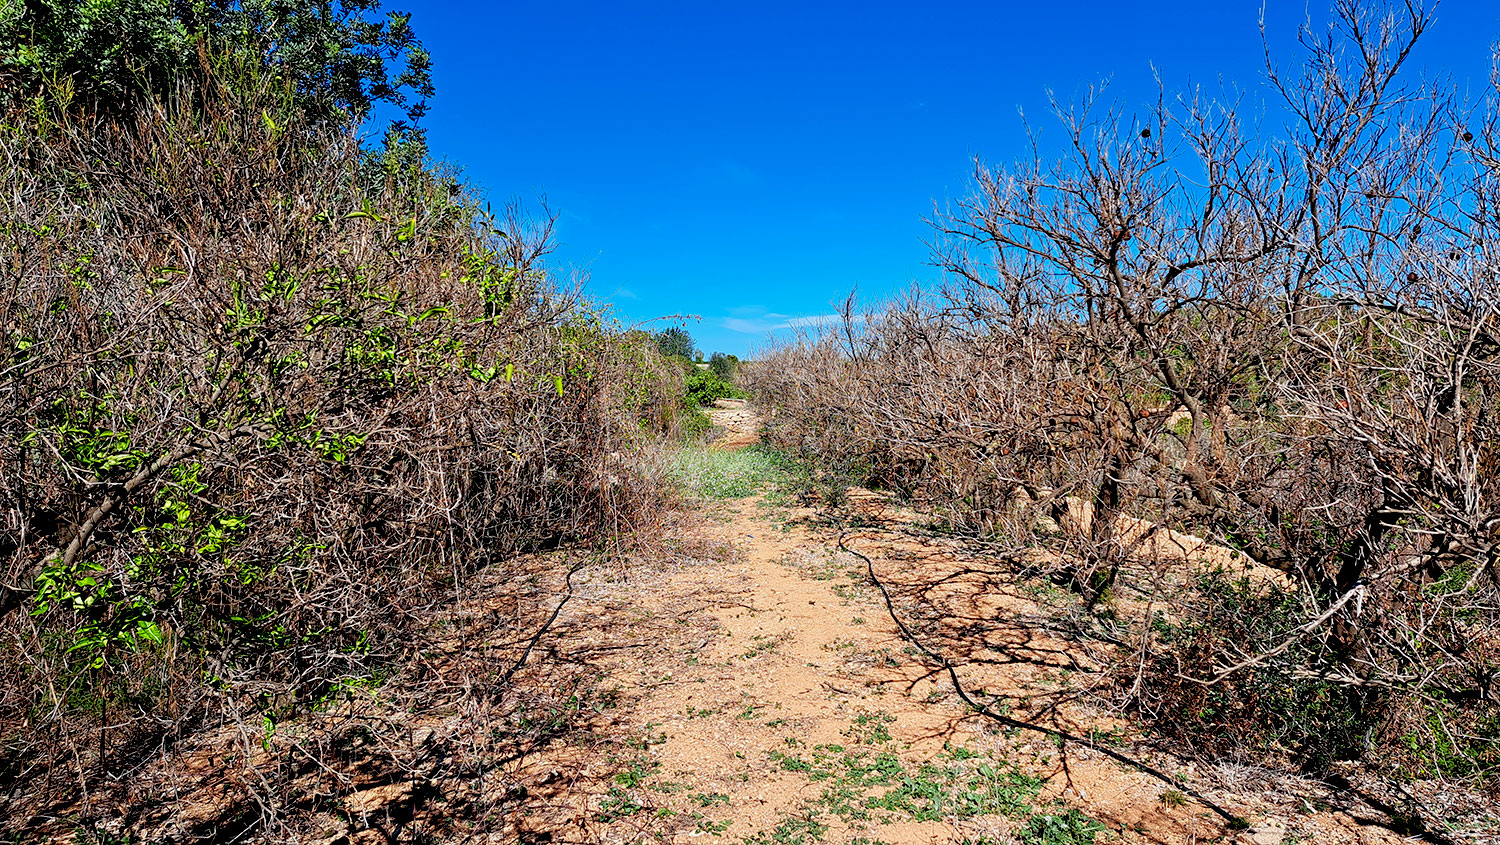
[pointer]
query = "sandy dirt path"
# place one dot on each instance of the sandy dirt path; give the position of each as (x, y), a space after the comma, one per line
(760, 692)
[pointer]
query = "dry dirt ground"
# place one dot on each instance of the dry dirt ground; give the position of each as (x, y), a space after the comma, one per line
(764, 694)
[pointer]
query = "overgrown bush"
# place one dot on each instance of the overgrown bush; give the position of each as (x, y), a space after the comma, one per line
(724, 366)
(1268, 710)
(259, 412)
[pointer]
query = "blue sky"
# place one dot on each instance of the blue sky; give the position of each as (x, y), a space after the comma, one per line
(752, 163)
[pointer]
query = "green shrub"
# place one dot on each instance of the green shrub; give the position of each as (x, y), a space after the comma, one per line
(704, 387)
(1278, 706)
(694, 421)
(336, 60)
(1447, 739)
(724, 366)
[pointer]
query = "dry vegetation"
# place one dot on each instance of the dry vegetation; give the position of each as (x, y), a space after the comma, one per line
(1283, 345)
(269, 403)
(304, 455)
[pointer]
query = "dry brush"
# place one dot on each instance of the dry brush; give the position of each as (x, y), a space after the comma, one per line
(266, 401)
(1283, 342)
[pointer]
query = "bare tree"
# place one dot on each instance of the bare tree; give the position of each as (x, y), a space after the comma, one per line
(1280, 342)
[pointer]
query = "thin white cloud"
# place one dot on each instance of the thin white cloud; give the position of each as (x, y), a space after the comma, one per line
(772, 322)
(756, 326)
(814, 321)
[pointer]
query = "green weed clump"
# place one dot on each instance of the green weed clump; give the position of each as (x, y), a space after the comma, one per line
(867, 784)
(1068, 827)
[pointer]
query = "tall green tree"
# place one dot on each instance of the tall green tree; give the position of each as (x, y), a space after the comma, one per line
(675, 342)
(339, 58)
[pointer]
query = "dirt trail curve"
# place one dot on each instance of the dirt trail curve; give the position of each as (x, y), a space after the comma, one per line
(761, 693)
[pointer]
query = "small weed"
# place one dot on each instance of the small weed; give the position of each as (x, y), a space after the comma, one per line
(709, 799)
(1113, 736)
(618, 804)
(644, 743)
(869, 728)
(792, 830)
(716, 828)
(94, 835)
(789, 763)
(636, 774)
(960, 752)
(1068, 828)
(763, 644)
(1173, 798)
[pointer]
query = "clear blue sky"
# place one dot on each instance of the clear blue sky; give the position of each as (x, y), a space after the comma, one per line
(751, 163)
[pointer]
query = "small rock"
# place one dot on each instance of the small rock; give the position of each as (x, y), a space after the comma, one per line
(1268, 832)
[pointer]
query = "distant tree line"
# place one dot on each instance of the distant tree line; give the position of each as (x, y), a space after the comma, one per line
(706, 383)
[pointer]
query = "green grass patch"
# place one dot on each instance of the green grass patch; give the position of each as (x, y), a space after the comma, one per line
(717, 474)
(866, 784)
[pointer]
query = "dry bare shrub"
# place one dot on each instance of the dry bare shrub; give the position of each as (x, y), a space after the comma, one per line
(1283, 344)
(263, 406)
